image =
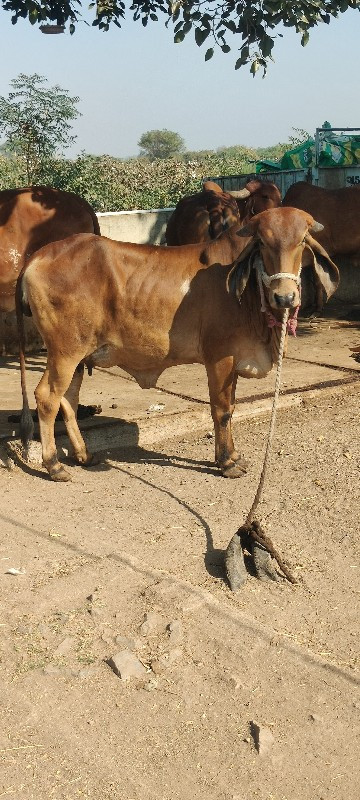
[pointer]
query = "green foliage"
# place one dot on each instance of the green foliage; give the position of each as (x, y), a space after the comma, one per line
(254, 23)
(113, 184)
(12, 173)
(36, 121)
(160, 144)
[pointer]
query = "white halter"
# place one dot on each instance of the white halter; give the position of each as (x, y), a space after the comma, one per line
(264, 278)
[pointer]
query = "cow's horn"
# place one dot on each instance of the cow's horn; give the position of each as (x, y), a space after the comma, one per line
(241, 194)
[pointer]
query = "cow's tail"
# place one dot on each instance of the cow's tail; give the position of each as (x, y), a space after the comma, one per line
(26, 420)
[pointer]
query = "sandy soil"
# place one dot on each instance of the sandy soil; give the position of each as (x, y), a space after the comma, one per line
(129, 557)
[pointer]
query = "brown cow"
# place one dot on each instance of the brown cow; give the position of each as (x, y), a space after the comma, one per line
(145, 308)
(30, 218)
(204, 216)
(338, 210)
(263, 196)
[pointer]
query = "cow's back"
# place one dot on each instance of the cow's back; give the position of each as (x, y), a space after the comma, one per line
(30, 218)
(338, 210)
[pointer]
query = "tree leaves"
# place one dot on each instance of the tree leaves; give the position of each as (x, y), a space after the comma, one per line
(251, 22)
(200, 35)
(36, 120)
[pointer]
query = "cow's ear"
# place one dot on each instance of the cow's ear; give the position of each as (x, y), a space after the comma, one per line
(239, 274)
(247, 230)
(324, 268)
(238, 277)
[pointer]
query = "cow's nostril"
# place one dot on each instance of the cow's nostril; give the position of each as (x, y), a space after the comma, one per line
(284, 300)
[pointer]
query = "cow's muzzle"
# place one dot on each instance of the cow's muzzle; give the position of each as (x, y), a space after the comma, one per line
(285, 300)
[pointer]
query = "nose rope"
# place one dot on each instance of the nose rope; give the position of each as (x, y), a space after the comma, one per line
(264, 279)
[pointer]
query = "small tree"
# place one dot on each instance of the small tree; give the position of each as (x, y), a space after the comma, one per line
(161, 144)
(36, 122)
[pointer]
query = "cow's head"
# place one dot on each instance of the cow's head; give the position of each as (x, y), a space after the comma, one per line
(263, 195)
(281, 238)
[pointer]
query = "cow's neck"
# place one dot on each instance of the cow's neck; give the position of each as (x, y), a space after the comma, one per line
(227, 249)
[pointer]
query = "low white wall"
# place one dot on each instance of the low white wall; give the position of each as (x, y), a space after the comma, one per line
(141, 227)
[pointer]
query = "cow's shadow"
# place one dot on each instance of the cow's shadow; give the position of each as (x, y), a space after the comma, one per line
(121, 458)
(124, 451)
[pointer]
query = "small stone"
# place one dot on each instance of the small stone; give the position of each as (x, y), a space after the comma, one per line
(127, 666)
(159, 665)
(96, 614)
(236, 683)
(64, 647)
(316, 718)
(175, 631)
(114, 405)
(166, 660)
(152, 622)
(151, 685)
(263, 738)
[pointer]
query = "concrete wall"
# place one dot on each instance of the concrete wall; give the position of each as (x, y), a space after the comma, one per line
(142, 227)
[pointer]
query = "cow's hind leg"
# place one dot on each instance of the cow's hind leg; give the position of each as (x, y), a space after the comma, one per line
(222, 384)
(48, 393)
(69, 404)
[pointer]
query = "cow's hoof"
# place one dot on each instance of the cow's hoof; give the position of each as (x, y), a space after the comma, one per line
(264, 564)
(90, 461)
(238, 457)
(234, 564)
(235, 470)
(59, 474)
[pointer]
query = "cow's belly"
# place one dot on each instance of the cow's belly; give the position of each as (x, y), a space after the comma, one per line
(111, 356)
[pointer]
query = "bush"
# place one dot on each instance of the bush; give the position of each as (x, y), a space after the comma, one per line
(113, 184)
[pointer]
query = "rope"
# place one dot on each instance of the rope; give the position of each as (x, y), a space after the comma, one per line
(251, 527)
(255, 504)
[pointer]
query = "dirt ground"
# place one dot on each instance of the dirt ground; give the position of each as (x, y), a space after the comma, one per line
(129, 557)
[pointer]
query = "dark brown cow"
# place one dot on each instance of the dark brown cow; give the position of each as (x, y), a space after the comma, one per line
(338, 210)
(30, 218)
(145, 308)
(263, 196)
(204, 216)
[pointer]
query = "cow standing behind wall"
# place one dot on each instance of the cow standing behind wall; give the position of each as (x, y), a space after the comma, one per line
(30, 218)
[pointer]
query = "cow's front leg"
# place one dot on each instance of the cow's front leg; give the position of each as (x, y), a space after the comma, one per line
(222, 384)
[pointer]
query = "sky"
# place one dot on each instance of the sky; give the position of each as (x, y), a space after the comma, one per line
(136, 79)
